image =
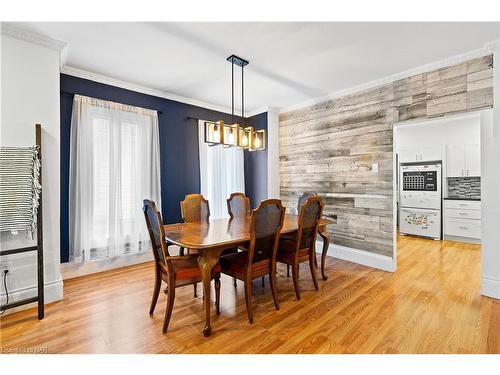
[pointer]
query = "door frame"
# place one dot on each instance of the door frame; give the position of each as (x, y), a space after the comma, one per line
(489, 163)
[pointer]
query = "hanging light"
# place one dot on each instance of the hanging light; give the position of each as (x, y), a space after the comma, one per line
(214, 132)
(259, 140)
(235, 135)
(231, 133)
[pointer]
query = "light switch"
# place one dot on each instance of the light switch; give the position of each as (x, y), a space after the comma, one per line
(375, 168)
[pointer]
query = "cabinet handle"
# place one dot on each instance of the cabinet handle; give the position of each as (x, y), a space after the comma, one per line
(464, 228)
(463, 214)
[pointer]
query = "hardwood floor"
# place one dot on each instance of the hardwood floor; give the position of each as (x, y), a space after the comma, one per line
(432, 304)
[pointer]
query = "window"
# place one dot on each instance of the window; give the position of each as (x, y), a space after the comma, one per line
(221, 173)
(114, 166)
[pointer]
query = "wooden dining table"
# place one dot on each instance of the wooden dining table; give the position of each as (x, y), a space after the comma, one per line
(213, 237)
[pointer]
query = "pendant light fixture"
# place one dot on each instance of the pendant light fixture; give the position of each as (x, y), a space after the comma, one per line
(237, 134)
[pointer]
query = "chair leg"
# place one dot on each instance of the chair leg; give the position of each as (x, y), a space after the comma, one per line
(217, 294)
(248, 299)
(312, 266)
(195, 290)
(295, 275)
(272, 279)
(156, 293)
(170, 306)
(287, 270)
(263, 281)
(234, 282)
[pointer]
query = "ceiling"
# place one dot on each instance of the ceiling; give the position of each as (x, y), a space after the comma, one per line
(289, 62)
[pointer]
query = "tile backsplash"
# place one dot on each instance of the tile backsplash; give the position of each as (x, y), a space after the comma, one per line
(464, 187)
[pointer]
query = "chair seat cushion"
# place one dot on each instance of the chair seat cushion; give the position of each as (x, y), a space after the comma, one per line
(185, 269)
(236, 264)
(286, 252)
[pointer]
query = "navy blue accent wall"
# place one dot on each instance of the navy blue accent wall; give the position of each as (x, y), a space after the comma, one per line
(180, 170)
(256, 165)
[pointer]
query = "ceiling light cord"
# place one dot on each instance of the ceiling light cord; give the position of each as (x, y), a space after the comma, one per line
(232, 93)
(242, 96)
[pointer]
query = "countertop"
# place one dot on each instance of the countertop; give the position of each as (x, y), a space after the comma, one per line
(462, 199)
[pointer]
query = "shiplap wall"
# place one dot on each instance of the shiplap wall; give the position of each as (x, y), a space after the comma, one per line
(330, 147)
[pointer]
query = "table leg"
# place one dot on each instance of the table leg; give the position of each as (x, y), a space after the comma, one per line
(326, 242)
(206, 261)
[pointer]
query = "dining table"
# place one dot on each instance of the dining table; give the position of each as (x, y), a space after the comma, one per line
(211, 238)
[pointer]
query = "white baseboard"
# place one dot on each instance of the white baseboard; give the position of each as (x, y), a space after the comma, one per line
(53, 291)
(363, 257)
(70, 270)
(490, 287)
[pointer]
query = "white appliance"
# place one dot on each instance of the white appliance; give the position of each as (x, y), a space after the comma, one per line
(420, 199)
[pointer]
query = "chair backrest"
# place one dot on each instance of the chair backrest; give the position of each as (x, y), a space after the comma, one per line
(309, 217)
(265, 227)
(154, 224)
(238, 205)
(303, 198)
(195, 207)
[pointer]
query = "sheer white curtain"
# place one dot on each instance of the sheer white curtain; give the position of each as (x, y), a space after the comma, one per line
(221, 173)
(114, 165)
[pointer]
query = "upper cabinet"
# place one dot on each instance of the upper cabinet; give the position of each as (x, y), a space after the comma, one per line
(463, 160)
(417, 154)
(472, 160)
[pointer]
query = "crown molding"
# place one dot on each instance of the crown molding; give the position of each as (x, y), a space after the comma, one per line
(80, 73)
(32, 37)
(493, 45)
(457, 59)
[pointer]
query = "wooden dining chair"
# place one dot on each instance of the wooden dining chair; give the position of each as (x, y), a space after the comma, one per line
(303, 198)
(238, 205)
(175, 271)
(291, 236)
(260, 259)
(195, 207)
(302, 248)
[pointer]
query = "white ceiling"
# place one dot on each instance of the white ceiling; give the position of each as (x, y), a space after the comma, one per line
(289, 62)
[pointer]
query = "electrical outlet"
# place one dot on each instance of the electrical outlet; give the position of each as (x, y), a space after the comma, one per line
(6, 266)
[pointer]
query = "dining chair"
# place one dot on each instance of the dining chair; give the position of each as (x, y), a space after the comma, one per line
(302, 248)
(260, 259)
(175, 271)
(238, 205)
(303, 198)
(291, 236)
(195, 207)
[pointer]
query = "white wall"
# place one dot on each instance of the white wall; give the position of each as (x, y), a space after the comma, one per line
(490, 188)
(30, 95)
(453, 130)
(273, 150)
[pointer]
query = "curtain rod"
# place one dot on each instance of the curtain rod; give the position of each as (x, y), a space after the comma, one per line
(62, 92)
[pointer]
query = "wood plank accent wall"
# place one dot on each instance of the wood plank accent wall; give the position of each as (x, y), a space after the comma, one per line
(330, 147)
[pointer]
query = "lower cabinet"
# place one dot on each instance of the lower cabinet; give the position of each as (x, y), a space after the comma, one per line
(462, 219)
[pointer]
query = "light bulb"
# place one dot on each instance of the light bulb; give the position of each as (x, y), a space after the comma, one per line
(257, 142)
(244, 140)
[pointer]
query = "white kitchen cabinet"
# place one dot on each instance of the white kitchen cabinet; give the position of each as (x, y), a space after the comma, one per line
(462, 218)
(463, 160)
(472, 160)
(417, 154)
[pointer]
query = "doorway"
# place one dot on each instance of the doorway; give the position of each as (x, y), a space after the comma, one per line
(438, 183)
